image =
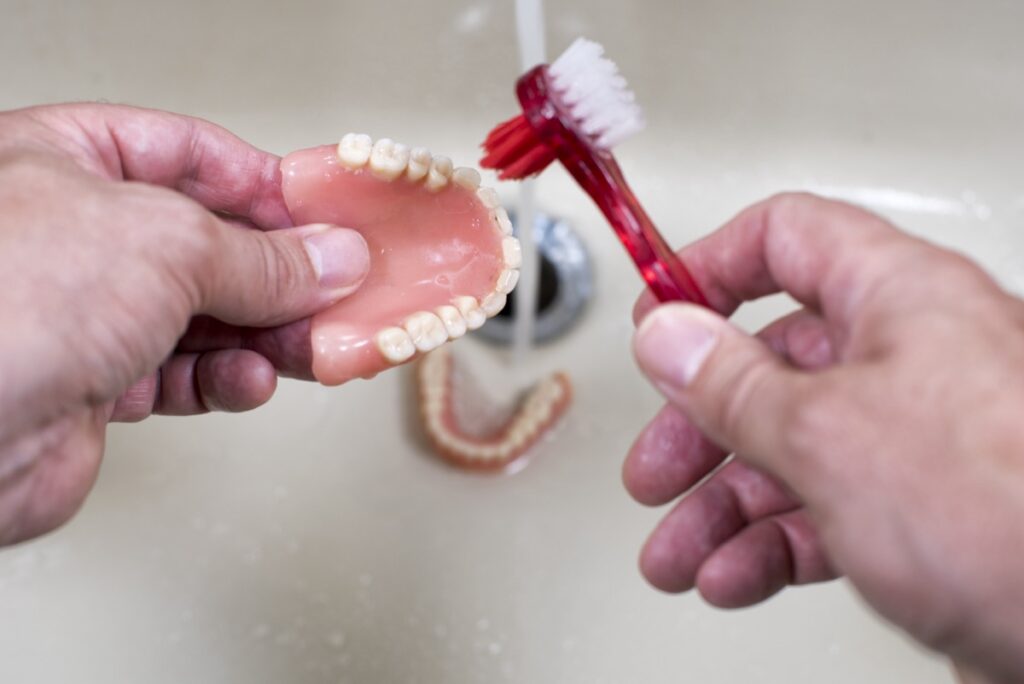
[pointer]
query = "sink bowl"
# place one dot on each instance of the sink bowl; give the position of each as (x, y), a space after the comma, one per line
(316, 539)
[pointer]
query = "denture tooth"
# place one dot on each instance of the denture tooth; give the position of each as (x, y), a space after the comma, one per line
(395, 345)
(504, 222)
(489, 198)
(426, 330)
(493, 303)
(512, 252)
(507, 281)
(440, 172)
(488, 453)
(354, 150)
(388, 159)
(466, 177)
(453, 321)
(471, 311)
(419, 164)
(434, 404)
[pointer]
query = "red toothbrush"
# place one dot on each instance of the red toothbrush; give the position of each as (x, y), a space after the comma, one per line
(575, 110)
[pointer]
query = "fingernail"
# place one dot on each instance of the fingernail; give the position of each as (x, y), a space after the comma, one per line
(673, 342)
(340, 257)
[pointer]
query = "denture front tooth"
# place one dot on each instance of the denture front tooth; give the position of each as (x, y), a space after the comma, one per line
(419, 164)
(512, 252)
(493, 303)
(426, 330)
(440, 172)
(507, 281)
(471, 311)
(489, 198)
(502, 220)
(466, 177)
(395, 345)
(453, 321)
(354, 150)
(388, 159)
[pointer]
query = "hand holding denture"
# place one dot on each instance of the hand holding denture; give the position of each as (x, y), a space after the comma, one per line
(148, 265)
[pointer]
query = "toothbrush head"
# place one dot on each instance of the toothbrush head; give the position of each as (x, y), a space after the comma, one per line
(580, 102)
(597, 96)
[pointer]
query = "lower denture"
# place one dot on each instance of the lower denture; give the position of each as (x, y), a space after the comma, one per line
(442, 257)
(537, 413)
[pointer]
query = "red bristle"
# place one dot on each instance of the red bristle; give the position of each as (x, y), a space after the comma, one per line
(515, 151)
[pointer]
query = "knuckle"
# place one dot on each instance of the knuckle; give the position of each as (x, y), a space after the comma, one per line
(789, 208)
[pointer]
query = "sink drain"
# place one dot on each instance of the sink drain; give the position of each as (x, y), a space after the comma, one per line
(564, 284)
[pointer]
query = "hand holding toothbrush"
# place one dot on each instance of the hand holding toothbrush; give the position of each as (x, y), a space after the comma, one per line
(878, 431)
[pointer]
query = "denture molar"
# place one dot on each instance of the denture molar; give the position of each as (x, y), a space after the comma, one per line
(439, 173)
(426, 330)
(440, 262)
(388, 159)
(354, 150)
(470, 309)
(538, 412)
(453, 321)
(395, 344)
(419, 164)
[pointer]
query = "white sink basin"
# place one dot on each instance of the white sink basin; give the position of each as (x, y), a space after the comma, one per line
(315, 540)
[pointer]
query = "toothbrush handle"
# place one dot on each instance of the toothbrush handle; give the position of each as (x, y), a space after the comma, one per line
(662, 270)
(599, 174)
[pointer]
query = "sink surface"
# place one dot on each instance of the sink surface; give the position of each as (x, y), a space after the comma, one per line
(315, 539)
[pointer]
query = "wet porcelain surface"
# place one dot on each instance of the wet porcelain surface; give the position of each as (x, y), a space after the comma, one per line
(316, 540)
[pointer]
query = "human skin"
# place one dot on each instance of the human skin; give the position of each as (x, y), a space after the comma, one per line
(877, 431)
(147, 265)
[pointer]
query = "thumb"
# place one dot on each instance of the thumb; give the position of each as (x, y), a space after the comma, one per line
(264, 278)
(730, 385)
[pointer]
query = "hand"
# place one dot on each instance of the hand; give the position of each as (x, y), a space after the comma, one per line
(878, 431)
(145, 260)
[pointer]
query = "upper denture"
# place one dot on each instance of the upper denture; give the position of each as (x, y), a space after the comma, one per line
(441, 257)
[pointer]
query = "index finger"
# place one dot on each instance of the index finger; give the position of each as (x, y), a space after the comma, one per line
(198, 158)
(817, 250)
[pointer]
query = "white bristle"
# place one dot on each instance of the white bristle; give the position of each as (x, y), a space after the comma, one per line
(596, 93)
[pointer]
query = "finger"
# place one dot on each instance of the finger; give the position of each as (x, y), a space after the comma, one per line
(231, 380)
(706, 519)
(735, 390)
(288, 347)
(48, 473)
(136, 403)
(227, 380)
(825, 253)
(234, 380)
(202, 160)
(263, 279)
(762, 559)
(671, 455)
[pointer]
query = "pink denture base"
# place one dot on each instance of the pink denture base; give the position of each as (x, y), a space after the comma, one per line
(426, 248)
